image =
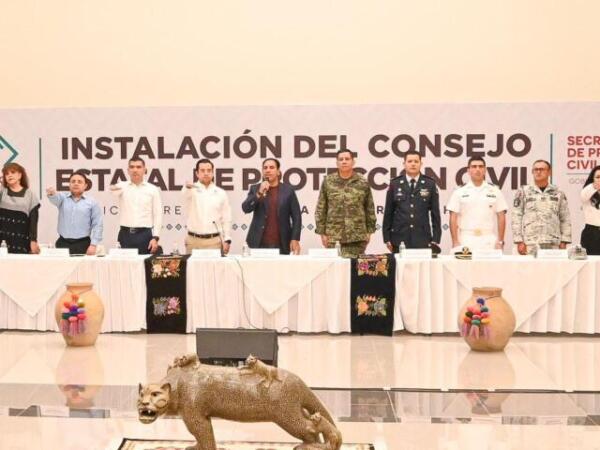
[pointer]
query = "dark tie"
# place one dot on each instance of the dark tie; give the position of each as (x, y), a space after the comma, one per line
(412, 185)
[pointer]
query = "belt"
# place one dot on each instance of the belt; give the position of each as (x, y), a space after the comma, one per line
(134, 230)
(73, 240)
(478, 232)
(203, 236)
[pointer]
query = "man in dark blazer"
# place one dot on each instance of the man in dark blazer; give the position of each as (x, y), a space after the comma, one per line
(276, 220)
(412, 209)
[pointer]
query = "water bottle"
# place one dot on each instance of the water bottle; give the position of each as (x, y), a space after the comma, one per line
(245, 250)
(402, 248)
(175, 251)
(338, 248)
(3, 248)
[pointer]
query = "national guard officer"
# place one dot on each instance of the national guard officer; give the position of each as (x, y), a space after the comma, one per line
(540, 214)
(474, 209)
(412, 208)
(345, 211)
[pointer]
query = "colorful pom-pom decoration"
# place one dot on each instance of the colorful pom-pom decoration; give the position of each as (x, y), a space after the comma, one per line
(476, 321)
(73, 317)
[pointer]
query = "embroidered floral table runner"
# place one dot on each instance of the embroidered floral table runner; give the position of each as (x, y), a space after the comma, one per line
(372, 292)
(166, 307)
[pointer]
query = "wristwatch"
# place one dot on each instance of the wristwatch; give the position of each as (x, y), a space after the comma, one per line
(228, 241)
(156, 238)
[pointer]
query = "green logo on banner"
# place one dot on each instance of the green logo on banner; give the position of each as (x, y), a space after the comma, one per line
(7, 150)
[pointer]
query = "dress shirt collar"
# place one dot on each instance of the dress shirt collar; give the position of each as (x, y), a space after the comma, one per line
(202, 186)
(143, 183)
(472, 185)
(409, 178)
(81, 197)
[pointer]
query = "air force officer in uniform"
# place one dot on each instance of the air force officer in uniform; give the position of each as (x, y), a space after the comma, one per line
(412, 208)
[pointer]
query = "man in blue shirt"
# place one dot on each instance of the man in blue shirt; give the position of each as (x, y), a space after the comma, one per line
(79, 217)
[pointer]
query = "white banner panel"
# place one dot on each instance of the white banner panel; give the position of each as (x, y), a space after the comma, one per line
(51, 143)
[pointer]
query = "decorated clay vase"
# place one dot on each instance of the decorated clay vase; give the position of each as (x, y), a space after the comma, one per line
(79, 314)
(486, 320)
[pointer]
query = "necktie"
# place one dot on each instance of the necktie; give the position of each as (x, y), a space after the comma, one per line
(412, 185)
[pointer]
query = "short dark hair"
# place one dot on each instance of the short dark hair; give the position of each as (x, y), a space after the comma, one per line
(344, 150)
(476, 158)
(276, 161)
(87, 181)
(204, 161)
(411, 152)
(542, 161)
(135, 159)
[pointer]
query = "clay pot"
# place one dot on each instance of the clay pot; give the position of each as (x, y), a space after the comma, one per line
(502, 320)
(94, 310)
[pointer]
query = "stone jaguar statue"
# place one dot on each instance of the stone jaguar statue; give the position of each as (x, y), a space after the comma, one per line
(197, 392)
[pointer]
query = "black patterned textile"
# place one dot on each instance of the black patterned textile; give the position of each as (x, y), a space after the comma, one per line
(166, 307)
(372, 289)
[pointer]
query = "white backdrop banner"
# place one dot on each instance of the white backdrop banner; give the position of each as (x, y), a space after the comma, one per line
(52, 143)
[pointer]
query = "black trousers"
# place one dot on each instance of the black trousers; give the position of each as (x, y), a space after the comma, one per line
(75, 246)
(136, 238)
(590, 239)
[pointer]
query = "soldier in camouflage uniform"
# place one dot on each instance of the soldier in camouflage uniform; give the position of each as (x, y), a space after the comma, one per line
(345, 211)
(540, 214)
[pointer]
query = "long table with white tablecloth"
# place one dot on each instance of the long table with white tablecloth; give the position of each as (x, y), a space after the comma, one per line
(305, 294)
(31, 285)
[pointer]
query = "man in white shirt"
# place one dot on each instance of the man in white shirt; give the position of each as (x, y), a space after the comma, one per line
(209, 213)
(140, 210)
(477, 211)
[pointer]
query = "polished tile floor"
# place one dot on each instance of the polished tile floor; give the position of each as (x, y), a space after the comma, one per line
(402, 392)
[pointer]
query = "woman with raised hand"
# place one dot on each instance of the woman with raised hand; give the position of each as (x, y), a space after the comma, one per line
(590, 196)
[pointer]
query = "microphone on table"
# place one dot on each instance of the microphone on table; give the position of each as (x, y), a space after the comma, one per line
(220, 238)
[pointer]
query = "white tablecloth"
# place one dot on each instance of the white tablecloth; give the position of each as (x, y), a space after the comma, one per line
(546, 295)
(218, 298)
(120, 283)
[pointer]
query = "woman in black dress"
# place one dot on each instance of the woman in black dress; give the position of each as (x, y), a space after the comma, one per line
(18, 211)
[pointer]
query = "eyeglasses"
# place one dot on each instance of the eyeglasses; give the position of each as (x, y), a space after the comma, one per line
(540, 169)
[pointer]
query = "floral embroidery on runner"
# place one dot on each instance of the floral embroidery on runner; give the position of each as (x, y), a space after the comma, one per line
(375, 266)
(370, 305)
(166, 268)
(166, 306)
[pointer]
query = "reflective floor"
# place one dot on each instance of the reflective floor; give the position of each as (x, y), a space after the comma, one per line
(401, 392)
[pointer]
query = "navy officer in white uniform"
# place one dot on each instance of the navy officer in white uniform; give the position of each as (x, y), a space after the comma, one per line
(477, 211)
